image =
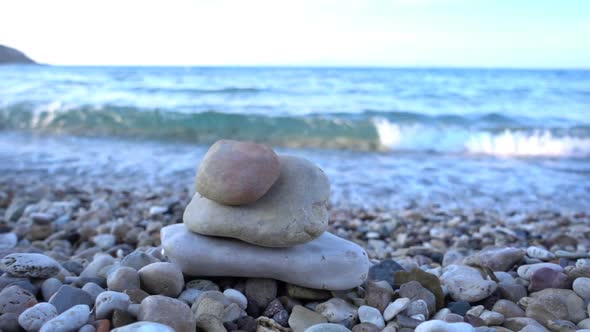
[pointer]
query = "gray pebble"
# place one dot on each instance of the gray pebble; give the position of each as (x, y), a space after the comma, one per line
(100, 260)
(202, 284)
(261, 291)
(138, 259)
(123, 278)
(14, 299)
(168, 311)
(49, 287)
(67, 296)
(109, 301)
(9, 323)
(93, 290)
(29, 265)
(162, 279)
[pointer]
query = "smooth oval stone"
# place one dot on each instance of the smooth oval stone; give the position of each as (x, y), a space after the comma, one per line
(371, 315)
(327, 327)
(555, 304)
(337, 310)
(327, 262)
(236, 173)
(162, 278)
(144, 327)
(440, 326)
(33, 318)
(167, 311)
(582, 287)
(70, 320)
(294, 211)
(29, 265)
(236, 297)
(466, 283)
(497, 259)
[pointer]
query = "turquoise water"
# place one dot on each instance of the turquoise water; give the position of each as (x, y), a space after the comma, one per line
(387, 137)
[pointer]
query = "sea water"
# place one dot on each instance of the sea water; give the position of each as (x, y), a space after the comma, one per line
(500, 139)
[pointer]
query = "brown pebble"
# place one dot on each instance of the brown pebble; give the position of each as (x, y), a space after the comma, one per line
(103, 325)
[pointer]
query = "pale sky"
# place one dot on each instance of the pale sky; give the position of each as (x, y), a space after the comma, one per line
(486, 33)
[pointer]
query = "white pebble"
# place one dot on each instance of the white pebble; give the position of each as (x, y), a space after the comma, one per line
(395, 308)
(144, 327)
(418, 317)
(371, 315)
(33, 318)
(69, 320)
(236, 297)
(155, 210)
(540, 253)
(442, 326)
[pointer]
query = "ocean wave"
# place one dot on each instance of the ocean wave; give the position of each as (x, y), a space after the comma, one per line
(370, 131)
(530, 142)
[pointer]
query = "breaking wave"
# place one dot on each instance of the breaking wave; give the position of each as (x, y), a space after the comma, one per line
(488, 134)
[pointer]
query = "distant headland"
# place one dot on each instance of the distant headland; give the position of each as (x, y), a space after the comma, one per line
(9, 55)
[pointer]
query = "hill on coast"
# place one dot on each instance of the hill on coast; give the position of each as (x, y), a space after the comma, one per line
(10, 55)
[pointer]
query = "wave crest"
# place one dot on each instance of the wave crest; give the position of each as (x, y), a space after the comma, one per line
(507, 142)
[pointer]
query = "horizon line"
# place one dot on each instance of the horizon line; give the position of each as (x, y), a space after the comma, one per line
(307, 66)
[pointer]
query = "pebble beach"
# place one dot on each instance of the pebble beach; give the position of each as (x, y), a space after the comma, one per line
(85, 255)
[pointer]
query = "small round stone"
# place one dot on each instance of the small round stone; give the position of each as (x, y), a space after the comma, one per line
(395, 308)
(371, 315)
(582, 287)
(168, 311)
(236, 297)
(337, 310)
(327, 327)
(236, 173)
(162, 279)
(441, 326)
(144, 327)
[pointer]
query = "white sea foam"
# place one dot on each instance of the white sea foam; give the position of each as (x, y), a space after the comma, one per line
(420, 137)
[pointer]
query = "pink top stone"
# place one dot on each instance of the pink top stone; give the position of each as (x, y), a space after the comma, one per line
(237, 173)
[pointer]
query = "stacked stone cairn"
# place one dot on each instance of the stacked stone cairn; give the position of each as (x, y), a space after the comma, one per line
(259, 215)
